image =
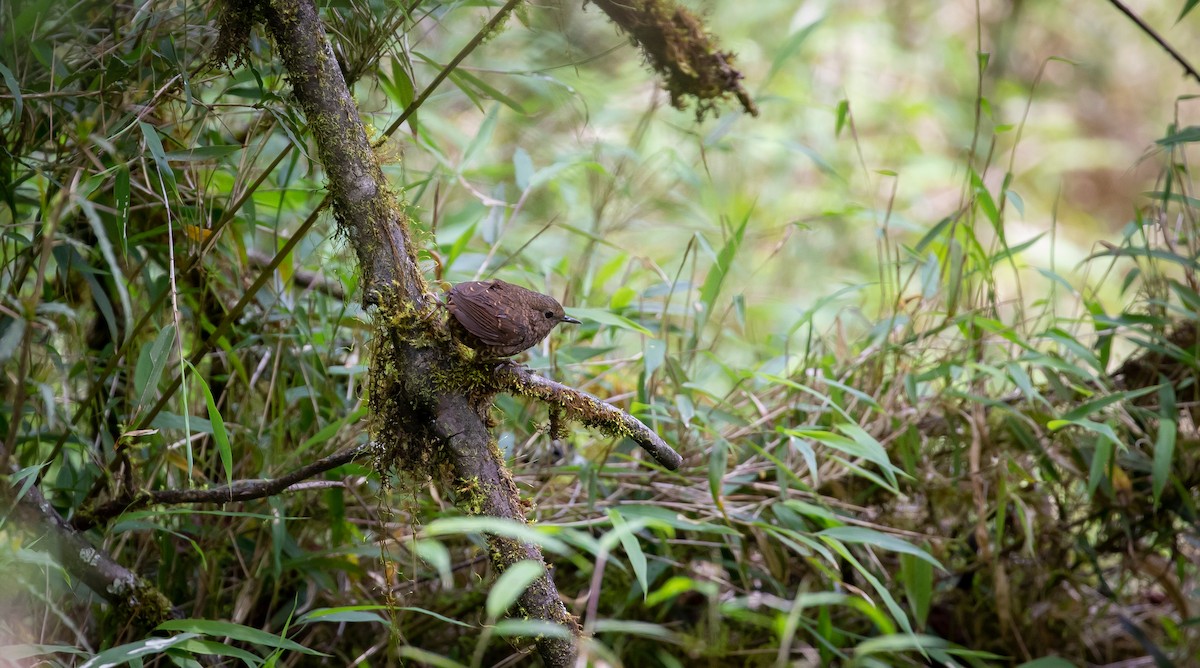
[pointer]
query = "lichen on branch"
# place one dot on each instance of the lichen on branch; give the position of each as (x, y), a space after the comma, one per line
(587, 409)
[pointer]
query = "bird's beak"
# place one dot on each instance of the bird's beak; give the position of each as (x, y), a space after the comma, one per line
(573, 321)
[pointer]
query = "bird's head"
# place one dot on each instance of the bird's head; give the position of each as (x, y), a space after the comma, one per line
(547, 313)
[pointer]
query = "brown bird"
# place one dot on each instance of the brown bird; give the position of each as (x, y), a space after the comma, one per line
(500, 319)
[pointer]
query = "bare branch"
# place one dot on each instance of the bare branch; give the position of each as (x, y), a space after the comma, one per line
(239, 490)
(1157, 39)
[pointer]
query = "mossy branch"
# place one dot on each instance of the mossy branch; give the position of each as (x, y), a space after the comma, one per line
(681, 51)
(588, 409)
(407, 408)
(366, 209)
(132, 595)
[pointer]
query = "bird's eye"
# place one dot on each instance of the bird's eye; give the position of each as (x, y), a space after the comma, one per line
(549, 314)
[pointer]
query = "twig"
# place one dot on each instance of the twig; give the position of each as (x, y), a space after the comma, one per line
(1191, 71)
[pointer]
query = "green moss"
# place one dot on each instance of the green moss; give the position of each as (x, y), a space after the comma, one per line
(141, 603)
(471, 496)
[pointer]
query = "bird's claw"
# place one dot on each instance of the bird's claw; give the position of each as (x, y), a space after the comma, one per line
(510, 365)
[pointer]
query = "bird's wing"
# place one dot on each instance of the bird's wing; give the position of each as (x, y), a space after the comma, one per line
(481, 308)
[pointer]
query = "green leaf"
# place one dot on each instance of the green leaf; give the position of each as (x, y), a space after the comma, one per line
(522, 168)
(872, 445)
(510, 585)
(807, 509)
(803, 545)
(1096, 405)
(11, 338)
(790, 46)
(1048, 662)
(1164, 446)
(482, 137)
(222, 629)
(843, 115)
(1095, 427)
(677, 585)
(717, 463)
(350, 613)
(152, 360)
(1101, 460)
(548, 173)
(869, 450)
(106, 251)
(210, 647)
(426, 657)
(203, 153)
(673, 519)
(900, 642)
(656, 352)
(781, 467)
(14, 89)
(449, 526)
(19, 652)
(154, 144)
(364, 613)
(169, 420)
(1188, 135)
(220, 436)
(460, 244)
(636, 628)
(622, 298)
(330, 430)
(984, 198)
(24, 479)
(917, 576)
(1017, 202)
(865, 536)
(134, 651)
(435, 554)
(529, 628)
(881, 621)
(399, 88)
(1184, 261)
(606, 317)
(716, 275)
(633, 549)
(465, 80)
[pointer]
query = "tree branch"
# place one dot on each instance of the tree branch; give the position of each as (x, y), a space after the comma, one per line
(363, 203)
(125, 590)
(239, 490)
(417, 419)
(588, 409)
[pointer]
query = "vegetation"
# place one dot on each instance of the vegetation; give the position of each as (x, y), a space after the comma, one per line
(911, 287)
